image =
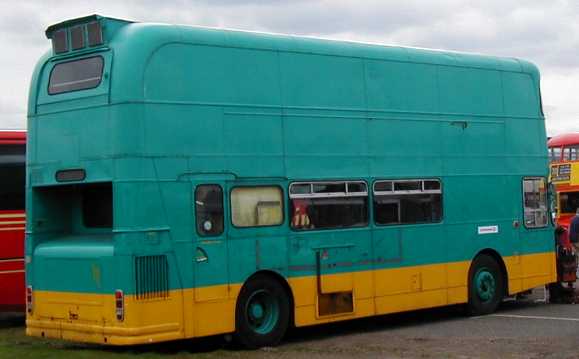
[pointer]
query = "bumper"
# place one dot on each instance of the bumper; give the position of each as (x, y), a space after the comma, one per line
(101, 334)
(90, 318)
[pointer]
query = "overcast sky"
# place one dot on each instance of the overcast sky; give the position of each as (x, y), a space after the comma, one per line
(545, 32)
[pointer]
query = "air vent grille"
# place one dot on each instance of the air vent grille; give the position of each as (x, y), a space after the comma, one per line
(152, 276)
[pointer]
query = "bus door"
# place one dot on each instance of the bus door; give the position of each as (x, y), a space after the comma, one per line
(210, 245)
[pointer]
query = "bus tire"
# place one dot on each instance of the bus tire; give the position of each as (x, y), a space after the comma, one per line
(485, 286)
(261, 313)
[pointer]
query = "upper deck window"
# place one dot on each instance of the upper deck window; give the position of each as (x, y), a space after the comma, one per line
(95, 34)
(554, 154)
(571, 153)
(76, 75)
(77, 37)
(59, 42)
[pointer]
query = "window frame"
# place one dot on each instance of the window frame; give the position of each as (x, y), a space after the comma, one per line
(573, 152)
(313, 195)
(556, 151)
(222, 209)
(102, 75)
(566, 153)
(547, 214)
(398, 193)
(256, 186)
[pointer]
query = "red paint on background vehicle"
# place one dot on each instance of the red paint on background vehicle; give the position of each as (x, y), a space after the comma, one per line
(12, 220)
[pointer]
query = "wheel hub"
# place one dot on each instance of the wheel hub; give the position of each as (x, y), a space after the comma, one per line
(256, 311)
(262, 311)
(485, 285)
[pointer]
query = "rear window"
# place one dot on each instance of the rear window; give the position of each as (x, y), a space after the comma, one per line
(97, 205)
(76, 75)
(12, 178)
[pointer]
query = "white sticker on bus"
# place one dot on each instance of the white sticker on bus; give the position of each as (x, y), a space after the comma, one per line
(488, 229)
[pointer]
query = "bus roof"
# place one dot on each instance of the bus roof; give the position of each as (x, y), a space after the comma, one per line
(12, 137)
(152, 35)
(564, 139)
(136, 44)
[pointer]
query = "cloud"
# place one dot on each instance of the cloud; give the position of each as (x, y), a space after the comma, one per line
(12, 115)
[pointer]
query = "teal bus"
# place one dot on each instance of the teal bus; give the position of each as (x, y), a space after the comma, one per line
(185, 182)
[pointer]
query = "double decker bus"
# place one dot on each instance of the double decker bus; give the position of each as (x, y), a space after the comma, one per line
(12, 219)
(186, 182)
(564, 158)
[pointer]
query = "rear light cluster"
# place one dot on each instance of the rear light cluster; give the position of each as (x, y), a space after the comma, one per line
(120, 305)
(29, 299)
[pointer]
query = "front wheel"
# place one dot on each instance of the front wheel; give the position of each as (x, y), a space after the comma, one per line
(485, 286)
(262, 313)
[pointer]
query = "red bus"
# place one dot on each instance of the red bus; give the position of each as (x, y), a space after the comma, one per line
(564, 158)
(12, 219)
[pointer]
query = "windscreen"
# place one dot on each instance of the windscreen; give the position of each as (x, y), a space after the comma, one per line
(569, 202)
(12, 177)
(76, 75)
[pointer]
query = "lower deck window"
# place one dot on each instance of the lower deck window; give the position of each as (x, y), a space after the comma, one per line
(407, 202)
(569, 202)
(324, 213)
(535, 202)
(407, 209)
(256, 206)
(209, 210)
(325, 205)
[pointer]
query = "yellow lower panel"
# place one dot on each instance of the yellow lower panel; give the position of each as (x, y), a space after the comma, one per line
(91, 317)
(216, 316)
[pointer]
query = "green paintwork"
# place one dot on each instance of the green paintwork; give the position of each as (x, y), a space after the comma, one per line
(180, 106)
(485, 284)
(262, 312)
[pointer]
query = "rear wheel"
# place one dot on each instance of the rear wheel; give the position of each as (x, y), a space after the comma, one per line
(485, 287)
(262, 313)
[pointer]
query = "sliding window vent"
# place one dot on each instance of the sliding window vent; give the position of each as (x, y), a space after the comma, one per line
(152, 275)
